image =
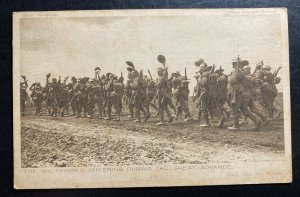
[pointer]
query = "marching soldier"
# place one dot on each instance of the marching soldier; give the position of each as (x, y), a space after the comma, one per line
(268, 91)
(71, 94)
(128, 95)
(138, 96)
(62, 96)
(52, 90)
(206, 102)
(23, 94)
(37, 96)
(115, 91)
(161, 84)
(221, 90)
(90, 97)
(181, 94)
(150, 93)
(249, 84)
(80, 97)
(236, 95)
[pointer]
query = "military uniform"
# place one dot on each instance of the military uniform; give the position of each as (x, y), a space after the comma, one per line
(268, 92)
(81, 98)
(222, 92)
(99, 97)
(52, 91)
(181, 94)
(162, 94)
(23, 96)
(138, 96)
(150, 95)
(37, 97)
(128, 95)
(114, 95)
(238, 96)
(206, 101)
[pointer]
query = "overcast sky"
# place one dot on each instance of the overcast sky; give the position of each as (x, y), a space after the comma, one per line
(75, 46)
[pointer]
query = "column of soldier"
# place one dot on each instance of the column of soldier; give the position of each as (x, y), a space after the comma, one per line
(244, 92)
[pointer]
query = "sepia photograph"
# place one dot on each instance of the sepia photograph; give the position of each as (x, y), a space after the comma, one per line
(143, 98)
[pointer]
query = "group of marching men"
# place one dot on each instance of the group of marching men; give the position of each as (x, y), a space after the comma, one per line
(242, 90)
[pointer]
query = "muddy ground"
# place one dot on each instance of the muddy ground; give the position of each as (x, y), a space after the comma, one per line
(68, 142)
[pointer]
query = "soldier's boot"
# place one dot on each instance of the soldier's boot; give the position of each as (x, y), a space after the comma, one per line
(146, 114)
(256, 121)
(118, 116)
(162, 119)
(236, 125)
(188, 116)
(221, 121)
(137, 117)
(54, 112)
(199, 116)
(131, 116)
(244, 121)
(206, 123)
(100, 113)
(177, 113)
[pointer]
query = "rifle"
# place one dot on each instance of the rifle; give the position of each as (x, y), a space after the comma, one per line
(150, 74)
(185, 75)
(276, 72)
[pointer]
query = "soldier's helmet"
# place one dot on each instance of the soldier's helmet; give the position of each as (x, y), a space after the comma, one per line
(121, 79)
(38, 83)
(103, 76)
(54, 80)
(160, 69)
(199, 62)
(111, 76)
(260, 63)
(267, 68)
(134, 73)
(73, 79)
(277, 80)
(97, 70)
(235, 62)
(203, 67)
(247, 70)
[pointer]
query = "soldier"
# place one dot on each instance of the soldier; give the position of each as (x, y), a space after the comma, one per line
(206, 102)
(62, 96)
(71, 94)
(268, 91)
(23, 94)
(236, 95)
(221, 90)
(37, 96)
(99, 96)
(150, 93)
(51, 90)
(90, 97)
(114, 95)
(138, 96)
(181, 94)
(249, 84)
(128, 95)
(80, 97)
(161, 84)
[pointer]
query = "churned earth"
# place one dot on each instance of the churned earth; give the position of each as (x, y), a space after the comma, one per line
(69, 142)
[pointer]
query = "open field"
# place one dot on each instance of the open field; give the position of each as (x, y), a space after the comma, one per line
(70, 142)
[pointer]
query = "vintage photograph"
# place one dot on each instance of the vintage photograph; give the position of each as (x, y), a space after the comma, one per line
(136, 98)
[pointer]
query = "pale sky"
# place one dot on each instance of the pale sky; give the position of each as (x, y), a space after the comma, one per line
(74, 46)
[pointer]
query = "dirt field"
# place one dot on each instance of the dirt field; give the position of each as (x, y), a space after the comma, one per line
(69, 142)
